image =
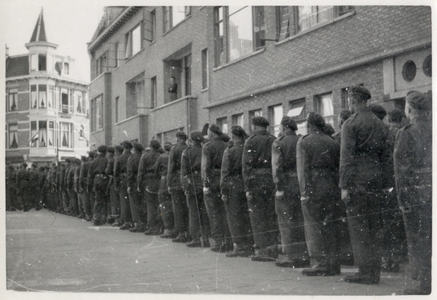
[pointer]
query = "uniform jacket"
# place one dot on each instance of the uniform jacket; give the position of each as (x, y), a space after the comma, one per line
(120, 166)
(98, 166)
(284, 159)
(364, 152)
(83, 175)
(413, 162)
(212, 157)
(174, 166)
(191, 168)
(23, 179)
(133, 163)
(146, 173)
(231, 172)
(160, 168)
(257, 159)
(318, 157)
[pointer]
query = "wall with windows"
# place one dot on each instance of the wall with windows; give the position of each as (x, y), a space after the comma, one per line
(343, 35)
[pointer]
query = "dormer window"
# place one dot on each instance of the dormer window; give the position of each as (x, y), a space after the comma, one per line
(66, 68)
(42, 62)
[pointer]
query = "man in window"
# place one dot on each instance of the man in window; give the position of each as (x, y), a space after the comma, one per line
(173, 88)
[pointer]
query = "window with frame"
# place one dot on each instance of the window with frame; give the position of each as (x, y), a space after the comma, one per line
(66, 135)
(33, 62)
(33, 97)
(239, 30)
(13, 136)
(153, 92)
(238, 119)
(275, 115)
(66, 68)
(294, 19)
(173, 15)
(79, 99)
(135, 95)
(66, 105)
(205, 80)
(150, 25)
(101, 64)
(12, 100)
(97, 113)
(325, 107)
(187, 74)
(42, 96)
(51, 96)
(42, 62)
(297, 111)
(117, 99)
(223, 124)
(133, 41)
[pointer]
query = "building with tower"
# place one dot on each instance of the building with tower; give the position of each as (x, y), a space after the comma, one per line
(47, 110)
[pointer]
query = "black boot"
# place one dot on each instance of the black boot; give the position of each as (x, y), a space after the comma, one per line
(195, 243)
(180, 239)
(365, 275)
(240, 252)
(152, 231)
(139, 227)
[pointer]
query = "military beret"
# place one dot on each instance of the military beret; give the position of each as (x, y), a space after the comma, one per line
(316, 119)
(395, 115)
(68, 159)
(24, 165)
(127, 145)
(91, 154)
(196, 136)
(111, 149)
(77, 161)
(167, 146)
(238, 131)
(260, 121)
(41, 168)
(345, 114)
(360, 91)
(102, 148)
(328, 129)
(154, 144)
(378, 110)
(215, 128)
(289, 122)
(181, 135)
(418, 101)
(225, 137)
(34, 166)
(83, 158)
(138, 147)
(160, 150)
(118, 148)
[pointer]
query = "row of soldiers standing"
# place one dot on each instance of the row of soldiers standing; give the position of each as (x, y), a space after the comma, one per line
(240, 193)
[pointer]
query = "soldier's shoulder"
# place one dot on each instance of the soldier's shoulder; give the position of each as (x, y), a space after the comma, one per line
(207, 144)
(405, 129)
(304, 137)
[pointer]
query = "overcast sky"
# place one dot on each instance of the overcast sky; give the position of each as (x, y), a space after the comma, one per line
(70, 24)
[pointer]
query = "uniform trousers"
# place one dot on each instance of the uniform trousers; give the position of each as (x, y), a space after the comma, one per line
(154, 221)
(290, 221)
(125, 211)
(115, 202)
(198, 216)
(262, 211)
(217, 217)
(180, 210)
(73, 207)
(166, 207)
(65, 199)
(101, 198)
(237, 213)
(137, 206)
(364, 220)
(322, 229)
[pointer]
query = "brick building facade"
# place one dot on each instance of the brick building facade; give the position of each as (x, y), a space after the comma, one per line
(46, 109)
(246, 61)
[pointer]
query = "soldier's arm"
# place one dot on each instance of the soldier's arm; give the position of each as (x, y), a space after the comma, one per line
(402, 165)
(225, 171)
(277, 163)
(205, 166)
(347, 151)
(302, 170)
(185, 165)
(247, 161)
(170, 169)
(141, 170)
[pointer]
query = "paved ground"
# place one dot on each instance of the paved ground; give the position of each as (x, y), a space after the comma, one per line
(47, 251)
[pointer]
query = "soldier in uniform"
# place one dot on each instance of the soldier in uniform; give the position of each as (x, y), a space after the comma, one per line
(34, 180)
(363, 164)
(11, 190)
(234, 197)
(97, 176)
(318, 157)
(378, 110)
(148, 186)
(192, 185)
(179, 202)
(212, 157)
(413, 173)
(164, 197)
(109, 171)
(260, 190)
(66, 191)
(77, 189)
(342, 117)
(24, 190)
(287, 197)
(42, 197)
(115, 195)
(72, 194)
(120, 174)
(83, 186)
(137, 207)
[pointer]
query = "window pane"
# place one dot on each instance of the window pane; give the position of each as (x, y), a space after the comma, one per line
(65, 135)
(13, 138)
(326, 108)
(33, 97)
(51, 134)
(136, 40)
(42, 62)
(240, 33)
(34, 62)
(259, 27)
(33, 134)
(13, 97)
(276, 118)
(178, 14)
(64, 96)
(42, 133)
(204, 68)
(50, 96)
(310, 16)
(42, 90)
(238, 120)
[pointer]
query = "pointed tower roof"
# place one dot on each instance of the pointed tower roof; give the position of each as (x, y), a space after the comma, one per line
(39, 33)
